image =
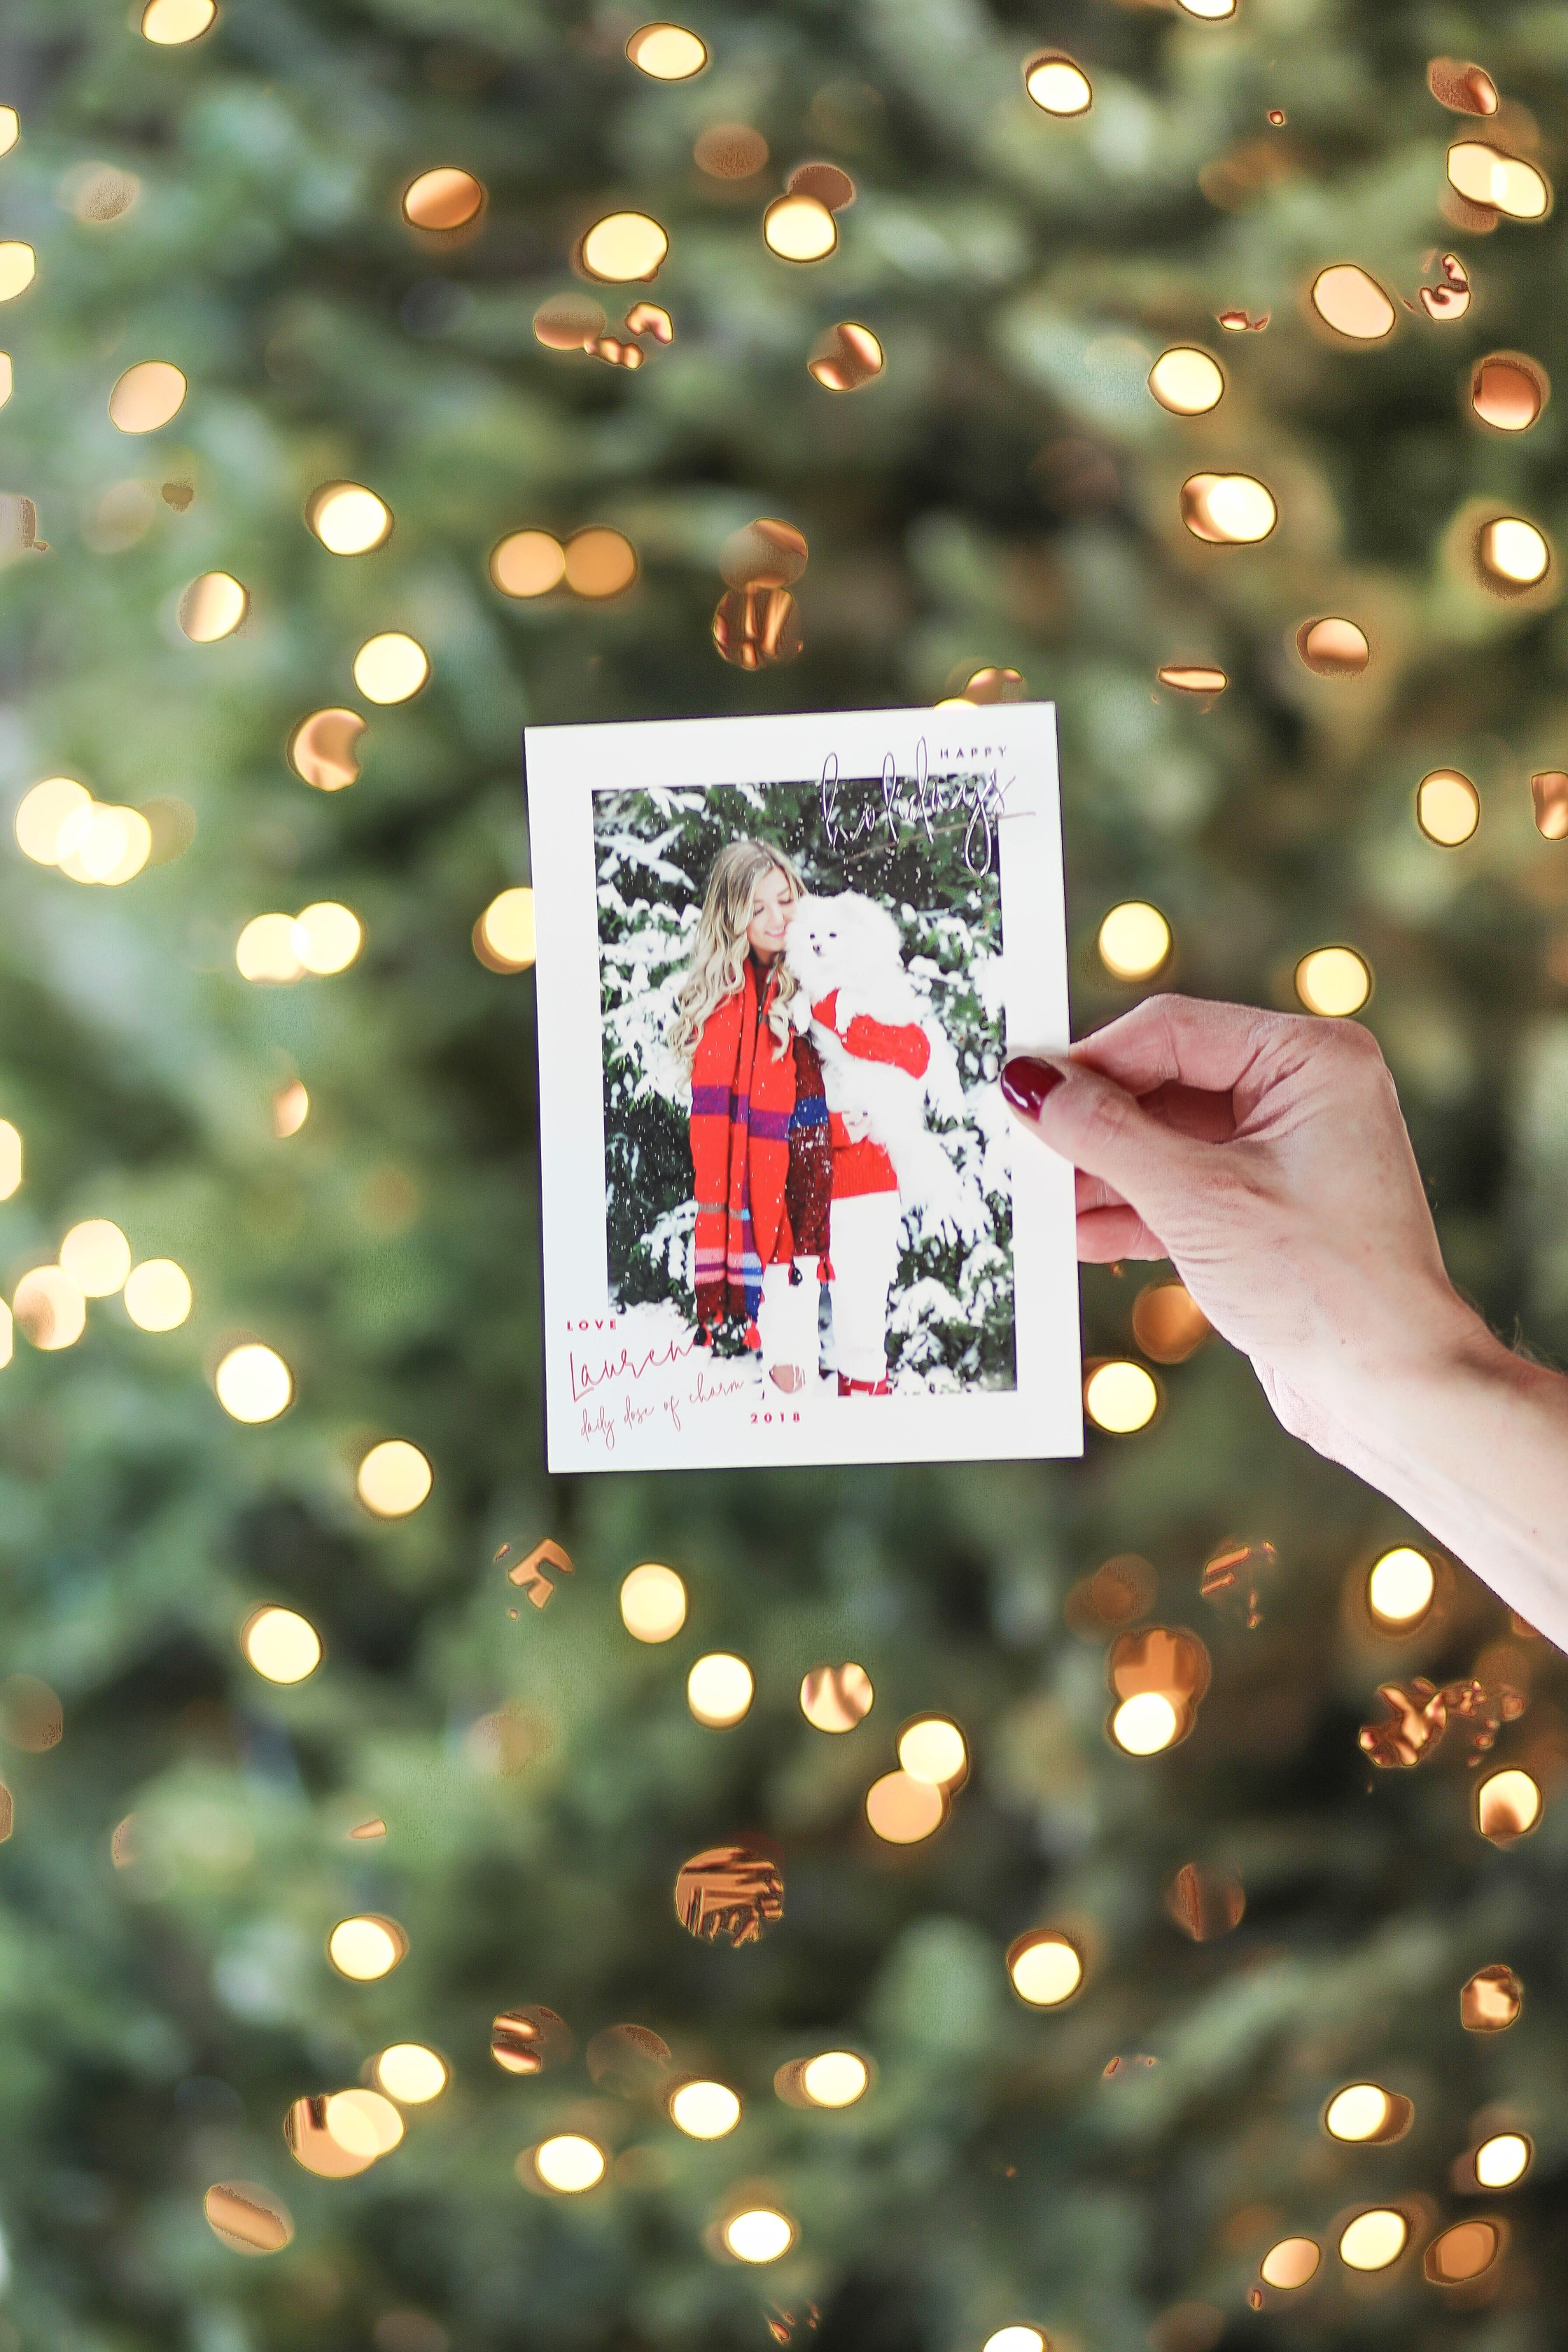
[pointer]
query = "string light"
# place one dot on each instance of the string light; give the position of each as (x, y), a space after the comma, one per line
(97, 1256)
(327, 938)
(598, 563)
(1353, 303)
(799, 228)
(348, 519)
(1290, 2263)
(1491, 2000)
(393, 1479)
(158, 1294)
(10, 129)
(760, 2234)
(290, 1110)
(282, 1645)
(1186, 380)
(933, 1749)
(1400, 1586)
(1057, 85)
(666, 52)
(845, 357)
(623, 246)
(1512, 554)
(1499, 183)
(1334, 981)
(43, 814)
(253, 1384)
(410, 2074)
(903, 1810)
(366, 1947)
(323, 750)
(1046, 1967)
(719, 1690)
(249, 2219)
(18, 268)
(170, 23)
(364, 2123)
(10, 1160)
(1133, 939)
(1333, 647)
(1462, 2253)
(212, 608)
(48, 1309)
(1017, 2338)
(1502, 2160)
(147, 396)
(503, 936)
(835, 2078)
(390, 668)
(1509, 391)
(653, 1603)
(1120, 1397)
(568, 2163)
(1145, 1724)
(1447, 807)
(7, 378)
(1373, 2240)
(1364, 2113)
(528, 564)
(835, 1698)
(265, 949)
(444, 198)
(1507, 1806)
(1227, 510)
(704, 2110)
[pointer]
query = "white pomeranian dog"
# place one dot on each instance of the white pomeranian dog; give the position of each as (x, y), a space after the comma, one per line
(850, 944)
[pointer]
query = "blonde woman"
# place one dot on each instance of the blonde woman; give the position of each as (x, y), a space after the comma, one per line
(759, 1150)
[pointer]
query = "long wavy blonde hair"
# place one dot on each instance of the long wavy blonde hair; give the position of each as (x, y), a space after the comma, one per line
(720, 950)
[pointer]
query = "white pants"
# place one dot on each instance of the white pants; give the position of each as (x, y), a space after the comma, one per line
(786, 1318)
(865, 1235)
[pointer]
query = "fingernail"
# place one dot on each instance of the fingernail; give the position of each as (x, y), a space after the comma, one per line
(1026, 1083)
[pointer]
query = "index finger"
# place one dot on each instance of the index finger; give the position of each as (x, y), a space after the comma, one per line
(1183, 1040)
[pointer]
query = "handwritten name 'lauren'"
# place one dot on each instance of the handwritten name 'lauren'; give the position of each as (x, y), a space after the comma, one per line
(855, 809)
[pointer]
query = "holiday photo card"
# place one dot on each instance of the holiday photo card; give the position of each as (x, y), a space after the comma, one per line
(787, 1217)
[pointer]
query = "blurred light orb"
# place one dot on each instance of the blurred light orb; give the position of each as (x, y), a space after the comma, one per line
(1353, 303)
(623, 246)
(1120, 1397)
(569, 322)
(10, 129)
(348, 519)
(97, 1256)
(847, 357)
(504, 934)
(104, 843)
(390, 668)
(320, 2150)
(568, 2163)
(1134, 940)
(933, 1749)
(10, 1160)
(766, 553)
(666, 52)
(43, 814)
(704, 2110)
(761, 2235)
(756, 628)
(1168, 1323)
(1186, 380)
(1016, 2339)
(290, 1110)
(49, 1309)
(410, 2074)
(835, 1698)
(799, 228)
(1057, 86)
(444, 198)
(834, 2079)
(147, 396)
(1210, 11)
(1374, 2240)
(1334, 981)
(170, 23)
(247, 2218)
(1509, 391)
(265, 949)
(730, 151)
(1145, 1724)
(903, 1810)
(1503, 2159)
(1502, 184)
(528, 564)
(254, 1383)
(323, 750)
(1465, 88)
(1507, 1806)
(213, 607)
(1549, 792)
(1447, 807)
(364, 2122)
(826, 182)
(327, 937)
(1290, 2263)
(1046, 1967)
(18, 268)
(1333, 647)
(366, 1947)
(598, 563)
(158, 1294)
(1400, 1587)
(653, 1603)
(282, 1647)
(719, 1689)
(1359, 2112)
(1513, 552)
(1463, 2253)
(7, 1334)
(393, 1479)
(1193, 677)
(1227, 510)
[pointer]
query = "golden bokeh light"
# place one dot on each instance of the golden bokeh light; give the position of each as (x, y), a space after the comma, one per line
(568, 2163)
(1016, 2338)
(835, 2078)
(1366, 2113)
(1187, 380)
(266, 951)
(1351, 302)
(799, 228)
(1334, 646)
(1503, 2159)
(835, 1698)
(247, 2218)
(650, 319)
(49, 1309)
(933, 1749)
(97, 1256)
(319, 2149)
(903, 1811)
(1045, 1967)
(666, 52)
(1146, 1724)
(1334, 981)
(282, 1647)
(624, 246)
(766, 553)
(1447, 807)
(366, 1947)
(1192, 678)
(992, 685)
(290, 1110)
(170, 23)
(1057, 86)
(719, 1689)
(704, 2110)
(1290, 2263)
(327, 937)
(653, 1602)
(828, 183)
(756, 628)
(10, 1160)
(44, 812)
(1509, 391)
(364, 2123)
(1227, 510)
(1450, 297)
(1211, 12)
(1120, 1397)
(1168, 1323)
(730, 151)
(847, 357)
(504, 934)
(390, 668)
(1463, 2253)
(599, 562)
(212, 608)
(348, 519)
(1373, 2240)
(1464, 88)
(18, 268)
(10, 129)
(147, 396)
(1507, 1806)
(411, 2073)
(158, 1294)
(444, 198)
(1204, 1903)
(760, 2234)
(1133, 940)
(568, 322)
(253, 1384)
(527, 2040)
(109, 846)
(393, 1479)
(323, 750)
(1549, 792)
(1484, 175)
(1512, 554)
(1400, 1587)
(1491, 2000)
(528, 564)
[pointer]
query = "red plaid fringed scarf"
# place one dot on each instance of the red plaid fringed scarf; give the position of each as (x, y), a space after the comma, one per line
(760, 1153)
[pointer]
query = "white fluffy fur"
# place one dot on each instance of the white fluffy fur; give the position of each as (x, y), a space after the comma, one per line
(850, 944)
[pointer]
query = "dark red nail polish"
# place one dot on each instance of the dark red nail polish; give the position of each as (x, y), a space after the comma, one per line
(1026, 1083)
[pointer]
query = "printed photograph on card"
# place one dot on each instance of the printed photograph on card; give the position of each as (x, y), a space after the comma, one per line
(787, 1218)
